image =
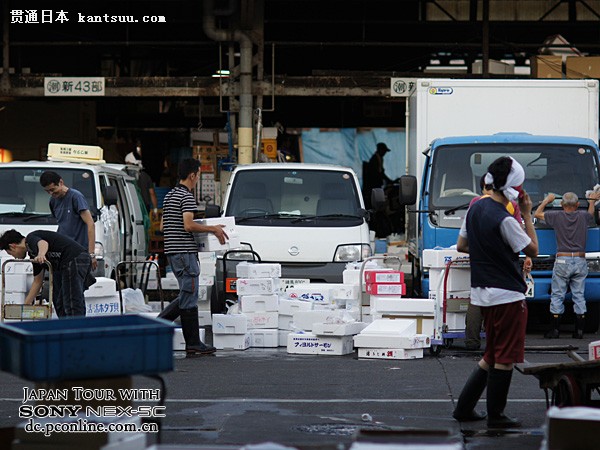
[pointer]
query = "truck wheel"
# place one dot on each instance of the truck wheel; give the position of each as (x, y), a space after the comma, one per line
(435, 350)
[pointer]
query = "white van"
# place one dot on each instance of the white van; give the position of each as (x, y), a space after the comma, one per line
(110, 192)
(308, 217)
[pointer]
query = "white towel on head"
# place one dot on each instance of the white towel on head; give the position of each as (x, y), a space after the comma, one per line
(515, 178)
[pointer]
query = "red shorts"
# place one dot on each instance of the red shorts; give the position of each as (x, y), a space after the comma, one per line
(505, 333)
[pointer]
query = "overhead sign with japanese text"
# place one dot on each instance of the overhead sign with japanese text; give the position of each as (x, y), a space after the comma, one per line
(74, 86)
(402, 87)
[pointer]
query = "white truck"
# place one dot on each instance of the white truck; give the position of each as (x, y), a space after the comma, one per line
(308, 217)
(110, 192)
(456, 128)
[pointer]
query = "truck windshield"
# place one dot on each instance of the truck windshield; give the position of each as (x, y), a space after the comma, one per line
(457, 170)
(22, 198)
(300, 198)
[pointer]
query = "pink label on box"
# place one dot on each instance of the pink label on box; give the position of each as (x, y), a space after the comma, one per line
(384, 276)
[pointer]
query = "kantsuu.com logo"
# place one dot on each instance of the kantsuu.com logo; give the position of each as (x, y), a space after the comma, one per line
(34, 16)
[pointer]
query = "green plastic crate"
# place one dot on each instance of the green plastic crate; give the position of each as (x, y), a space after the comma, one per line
(90, 347)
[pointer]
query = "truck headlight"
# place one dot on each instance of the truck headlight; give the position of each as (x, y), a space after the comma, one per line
(352, 252)
(99, 251)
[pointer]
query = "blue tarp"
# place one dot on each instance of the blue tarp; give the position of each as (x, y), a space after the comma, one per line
(350, 147)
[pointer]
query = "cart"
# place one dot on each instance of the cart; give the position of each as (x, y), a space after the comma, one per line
(139, 280)
(21, 312)
(568, 383)
(444, 335)
(227, 295)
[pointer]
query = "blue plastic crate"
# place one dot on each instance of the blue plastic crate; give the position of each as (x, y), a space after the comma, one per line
(91, 347)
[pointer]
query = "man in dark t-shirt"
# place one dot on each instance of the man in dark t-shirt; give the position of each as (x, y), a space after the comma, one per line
(68, 259)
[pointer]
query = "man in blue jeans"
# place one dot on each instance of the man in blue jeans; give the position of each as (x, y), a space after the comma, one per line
(70, 261)
(181, 249)
(570, 267)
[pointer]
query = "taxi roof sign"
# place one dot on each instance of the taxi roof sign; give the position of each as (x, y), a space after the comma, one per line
(74, 152)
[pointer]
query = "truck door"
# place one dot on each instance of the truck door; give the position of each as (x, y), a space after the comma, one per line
(126, 227)
(138, 237)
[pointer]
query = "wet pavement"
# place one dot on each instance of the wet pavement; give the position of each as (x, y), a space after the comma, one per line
(234, 399)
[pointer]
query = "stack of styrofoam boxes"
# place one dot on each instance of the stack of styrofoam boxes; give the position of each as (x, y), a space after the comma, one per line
(230, 331)
(287, 308)
(18, 279)
(259, 301)
(391, 339)
(458, 286)
(393, 307)
(208, 265)
(208, 242)
(102, 299)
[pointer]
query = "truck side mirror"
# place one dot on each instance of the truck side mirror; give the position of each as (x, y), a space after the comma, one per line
(377, 199)
(407, 194)
(212, 211)
(111, 195)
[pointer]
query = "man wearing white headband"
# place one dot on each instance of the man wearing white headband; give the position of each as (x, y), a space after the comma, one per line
(493, 239)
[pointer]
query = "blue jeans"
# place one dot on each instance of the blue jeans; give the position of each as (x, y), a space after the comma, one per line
(68, 286)
(187, 270)
(568, 271)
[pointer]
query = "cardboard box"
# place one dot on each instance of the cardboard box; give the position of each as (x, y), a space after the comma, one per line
(583, 67)
(392, 341)
(384, 276)
(229, 324)
(259, 303)
(424, 323)
(386, 288)
(594, 350)
(262, 319)
(547, 66)
(232, 341)
(264, 338)
(457, 304)
(390, 353)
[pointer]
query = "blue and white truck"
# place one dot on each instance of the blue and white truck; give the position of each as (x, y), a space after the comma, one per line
(457, 127)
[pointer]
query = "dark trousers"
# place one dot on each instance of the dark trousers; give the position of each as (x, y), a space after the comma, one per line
(69, 284)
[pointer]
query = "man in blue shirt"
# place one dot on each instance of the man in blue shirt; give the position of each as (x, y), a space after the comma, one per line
(71, 210)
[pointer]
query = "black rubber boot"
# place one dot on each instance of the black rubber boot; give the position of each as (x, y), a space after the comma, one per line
(579, 325)
(191, 333)
(171, 312)
(470, 395)
(554, 331)
(497, 395)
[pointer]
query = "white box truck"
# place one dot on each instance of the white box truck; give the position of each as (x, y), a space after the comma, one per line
(456, 128)
(310, 218)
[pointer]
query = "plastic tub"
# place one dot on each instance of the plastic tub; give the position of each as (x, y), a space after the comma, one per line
(91, 347)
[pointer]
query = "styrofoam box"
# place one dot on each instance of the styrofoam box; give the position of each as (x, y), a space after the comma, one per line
(257, 286)
(204, 318)
(594, 350)
(285, 322)
(344, 291)
(205, 280)
(256, 303)
(262, 270)
(229, 324)
(288, 306)
(262, 319)
(203, 292)
(383, 304)
(399, 327)
(14, 267)
(386, 288)
(338, 329)
(15, 282)
(351, 276)
(425, 323)
(310, 344)
(327, 306)
(264, 338)
(456, 321)
(392, 340)
(390, 353)
(209, 242)
(229, 223)
(14, 298)
(439, 258)
(282, 337)
(384, 276)
(231, 341)
(316, 292)
(102, 306)
(459, 279)
(169, 283)
(304, 320)
(103, 287)
(179, 341)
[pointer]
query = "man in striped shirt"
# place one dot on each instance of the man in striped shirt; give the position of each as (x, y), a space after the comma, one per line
(182, 252)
